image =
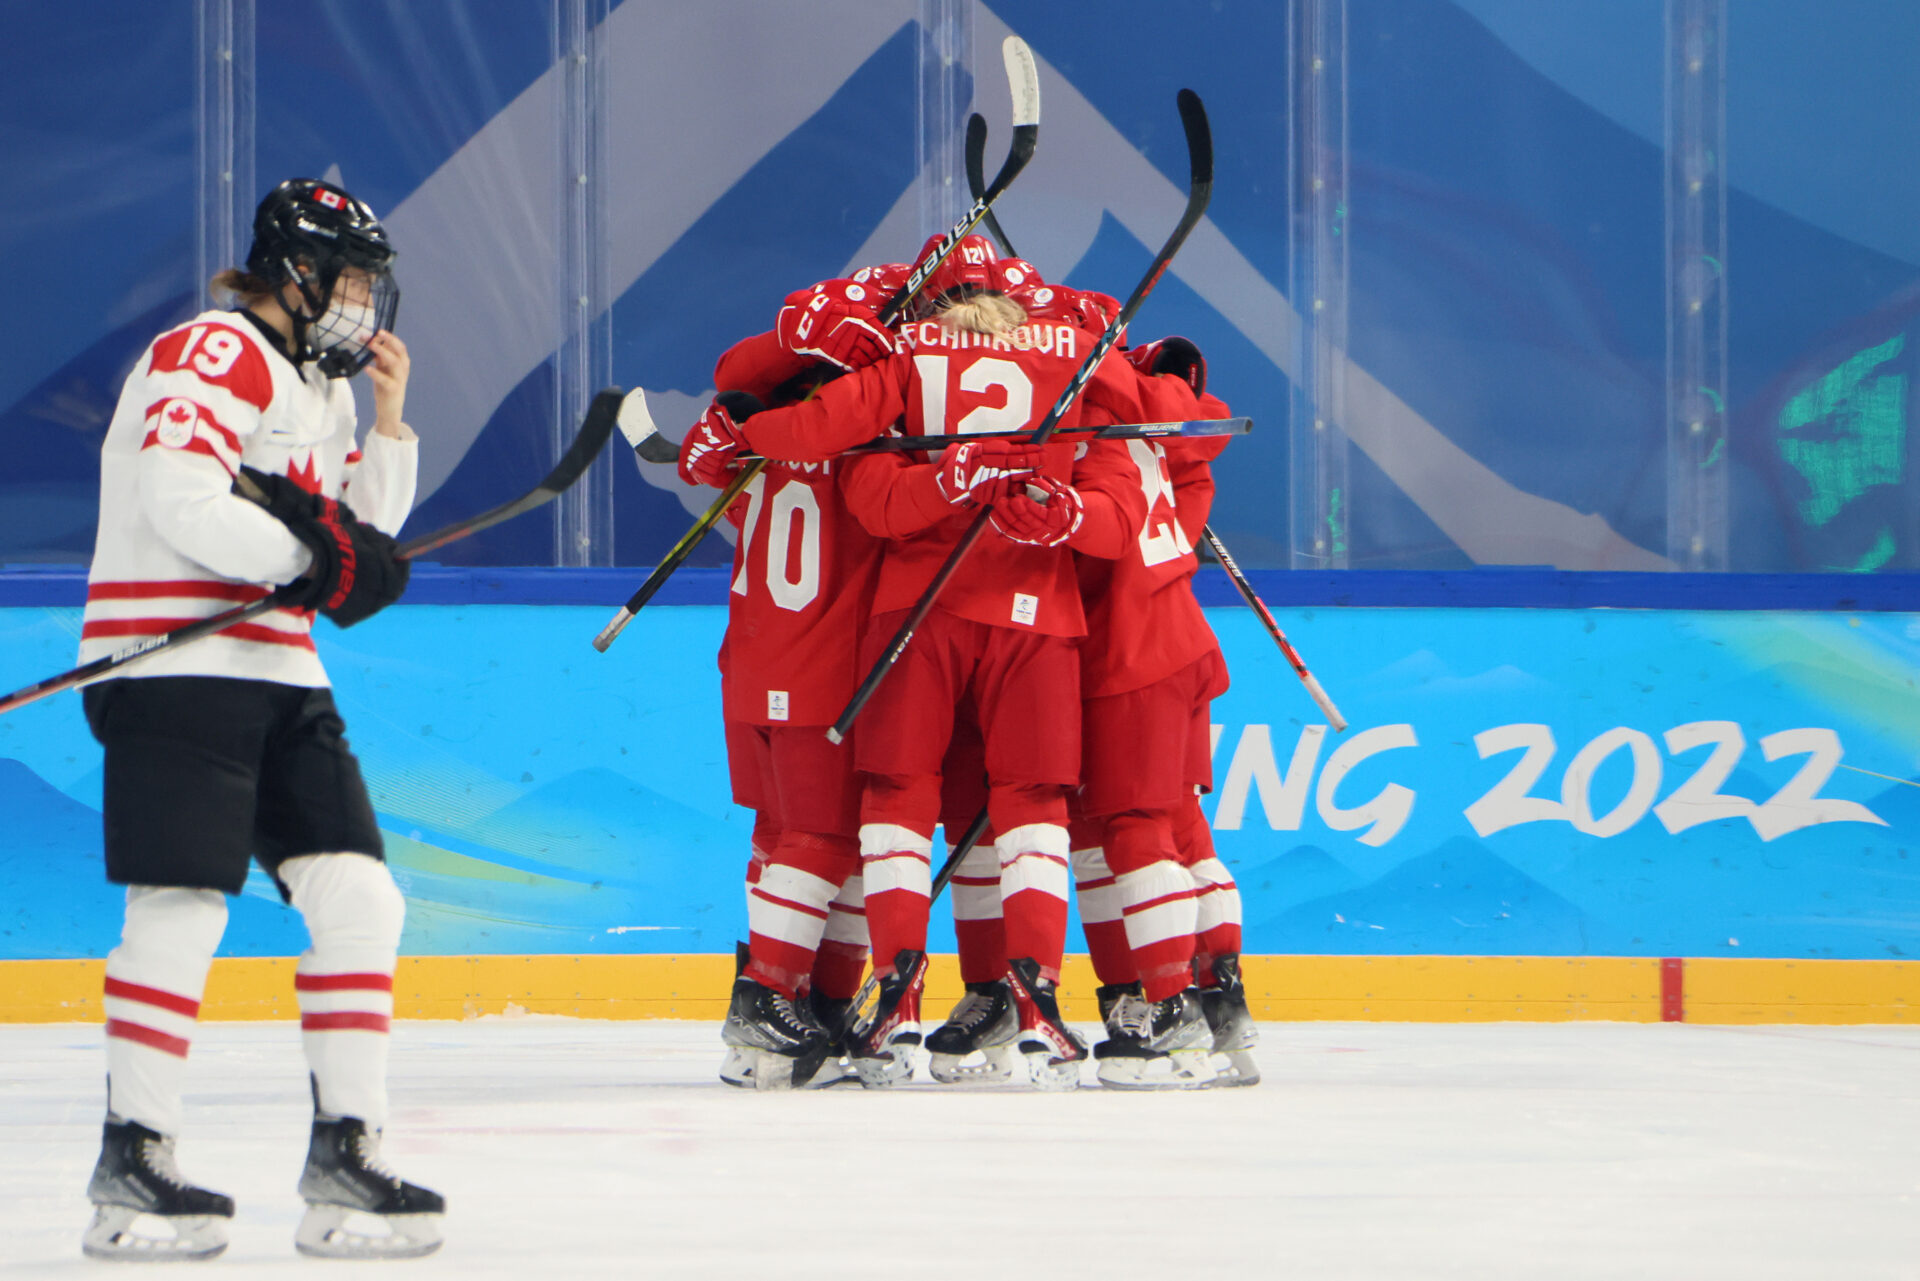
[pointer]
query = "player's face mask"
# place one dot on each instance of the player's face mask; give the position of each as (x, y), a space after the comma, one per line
(360, 304)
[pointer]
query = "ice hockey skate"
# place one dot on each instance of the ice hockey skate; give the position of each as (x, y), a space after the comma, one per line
(835, 1016)
(1155, 1045)
(347, 1188)
(780, 1045)
(736, 1068)
(136, 1179)
(976, 1042)
(883, 1047)
(1234, 1031)
(1053, 1050)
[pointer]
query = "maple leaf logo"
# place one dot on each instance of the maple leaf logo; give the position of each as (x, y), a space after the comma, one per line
(179, 413)
(304, 474)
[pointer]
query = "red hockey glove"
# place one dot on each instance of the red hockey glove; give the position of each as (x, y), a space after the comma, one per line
(707, 454)
(980, 471)
(1044, 512)
(839, 323)
(1172, 355)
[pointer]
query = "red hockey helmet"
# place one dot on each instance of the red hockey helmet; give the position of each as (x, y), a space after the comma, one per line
(973, 267)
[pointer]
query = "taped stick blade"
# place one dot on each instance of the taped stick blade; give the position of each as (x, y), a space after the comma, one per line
(637, 425)
(1023, 79)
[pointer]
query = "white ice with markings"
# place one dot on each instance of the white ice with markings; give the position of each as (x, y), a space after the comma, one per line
(576, 1148)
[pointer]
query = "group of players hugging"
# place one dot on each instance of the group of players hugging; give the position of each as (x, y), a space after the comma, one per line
(1061, 681)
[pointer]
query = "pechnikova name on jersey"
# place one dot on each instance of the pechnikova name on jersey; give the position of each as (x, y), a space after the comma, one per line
(1059, 339)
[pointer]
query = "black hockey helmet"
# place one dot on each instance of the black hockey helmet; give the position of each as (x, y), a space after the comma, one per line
(307, 232)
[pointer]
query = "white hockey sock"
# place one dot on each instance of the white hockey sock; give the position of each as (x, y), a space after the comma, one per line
(976, 885)
(896, 866)
(1034, 883)
(1160, 913)
(1217, 895)
(847, 915)
(787, 915)
(155, 980)
(354, 913)
(1094, 887)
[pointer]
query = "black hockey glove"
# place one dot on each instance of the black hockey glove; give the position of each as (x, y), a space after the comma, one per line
(356, 572)
(1173, 355)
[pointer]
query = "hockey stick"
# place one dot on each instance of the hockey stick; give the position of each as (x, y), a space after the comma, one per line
(976, 145)
(1113, 431)
(1024, 82)
(1259, 607)
(1193, 118)
(977, 178)
(594, 430)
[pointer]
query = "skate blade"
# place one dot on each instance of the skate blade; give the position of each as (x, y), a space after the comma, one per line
(737, 1068)
(767, 1070)
(324, 1234)
(1045, 1072)
(890, 1067)
(1235, 1068)
(111, 1236)
(1178, 1070)
(988, 1065)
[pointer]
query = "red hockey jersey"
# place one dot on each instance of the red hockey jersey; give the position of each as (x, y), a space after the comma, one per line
(945, 382)
(803, 576)
(1142, 619)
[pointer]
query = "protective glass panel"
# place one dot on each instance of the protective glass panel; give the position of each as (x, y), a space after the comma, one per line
(1601, 284)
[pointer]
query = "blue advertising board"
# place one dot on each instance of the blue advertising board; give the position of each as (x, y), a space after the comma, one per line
(1581, 782)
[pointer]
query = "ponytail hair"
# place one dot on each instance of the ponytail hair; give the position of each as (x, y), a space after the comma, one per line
(244, 285)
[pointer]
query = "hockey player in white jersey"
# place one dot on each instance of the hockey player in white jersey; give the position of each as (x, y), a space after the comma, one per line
(231, 748)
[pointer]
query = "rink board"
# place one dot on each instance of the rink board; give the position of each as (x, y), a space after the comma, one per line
(1418, 989)
(1531, 809)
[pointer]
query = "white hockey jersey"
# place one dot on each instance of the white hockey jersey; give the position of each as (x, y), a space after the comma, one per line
(175, 544)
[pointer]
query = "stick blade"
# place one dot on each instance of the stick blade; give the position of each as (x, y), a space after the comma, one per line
(1023, 78)
(1193, 118)
(641, 432)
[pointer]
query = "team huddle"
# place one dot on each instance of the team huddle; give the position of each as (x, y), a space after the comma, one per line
(1058, 688)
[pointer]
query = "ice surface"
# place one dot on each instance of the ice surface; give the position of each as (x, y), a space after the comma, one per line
(574, 1148)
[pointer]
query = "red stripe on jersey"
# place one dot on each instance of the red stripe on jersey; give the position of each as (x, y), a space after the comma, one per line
(104, 628)
(978, 882)
(220, 355)
(197, 445)
(231, 440)
(153, 996)
(353, 457)
(174, 1045)
(844, 909)
(345, 1021)
(196, 588)
(788, 903)
(1156, 902)
(1099, 884)
(343, 982)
